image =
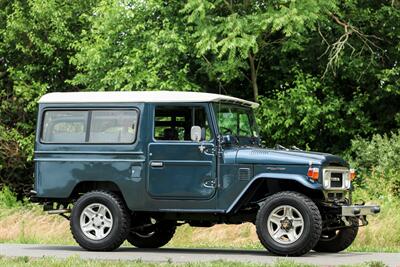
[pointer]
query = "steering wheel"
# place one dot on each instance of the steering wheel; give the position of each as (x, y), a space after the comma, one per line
(225, 130)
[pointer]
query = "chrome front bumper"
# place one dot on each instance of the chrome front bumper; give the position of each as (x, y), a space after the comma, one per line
(360, 210)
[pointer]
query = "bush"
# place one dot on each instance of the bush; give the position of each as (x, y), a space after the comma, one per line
(377, 162)
(8, 199)
(16, 166)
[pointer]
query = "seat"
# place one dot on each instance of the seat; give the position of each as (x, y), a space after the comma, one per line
(170, 134)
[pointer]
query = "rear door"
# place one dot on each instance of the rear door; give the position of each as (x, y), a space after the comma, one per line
(179, 168)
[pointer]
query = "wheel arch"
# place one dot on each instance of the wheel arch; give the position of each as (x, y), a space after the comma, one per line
(266, 184)
(87, 186)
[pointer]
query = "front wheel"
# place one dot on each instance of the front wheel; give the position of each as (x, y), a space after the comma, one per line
(337, 240)
(288, 224)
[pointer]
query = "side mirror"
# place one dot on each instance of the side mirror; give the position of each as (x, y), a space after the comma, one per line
(196, 133)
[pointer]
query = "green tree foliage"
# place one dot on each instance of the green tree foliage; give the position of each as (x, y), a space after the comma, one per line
(35, 46)
(135, 45)
(324, 72)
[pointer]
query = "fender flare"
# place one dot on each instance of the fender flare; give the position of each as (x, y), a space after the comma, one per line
(300, 179)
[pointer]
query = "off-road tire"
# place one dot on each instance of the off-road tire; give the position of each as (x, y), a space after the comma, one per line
(341, 240)
(162, 234)
(312, 223)
(121, 221)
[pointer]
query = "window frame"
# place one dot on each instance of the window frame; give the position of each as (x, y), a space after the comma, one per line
(252, 121)
(88, 125)
(191, 106)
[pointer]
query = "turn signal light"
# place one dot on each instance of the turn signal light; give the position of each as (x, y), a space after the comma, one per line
(313, 173)
(352, 174)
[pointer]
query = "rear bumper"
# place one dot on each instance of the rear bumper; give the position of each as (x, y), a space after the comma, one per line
(359, 210)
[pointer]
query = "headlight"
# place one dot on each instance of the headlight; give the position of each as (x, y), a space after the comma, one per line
(336, 178)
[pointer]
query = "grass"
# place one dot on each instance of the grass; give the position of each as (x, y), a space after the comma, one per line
(27, 223)
(78, 262)
(30, 225)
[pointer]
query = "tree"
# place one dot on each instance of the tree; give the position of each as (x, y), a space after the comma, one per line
(35, 46)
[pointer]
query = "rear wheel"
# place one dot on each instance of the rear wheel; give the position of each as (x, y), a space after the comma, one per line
(99, 221)
(337, 240)
(288, 224)
(150, 233)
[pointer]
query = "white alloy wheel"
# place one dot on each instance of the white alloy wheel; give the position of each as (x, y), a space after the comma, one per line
(285, 224)
(96, 221)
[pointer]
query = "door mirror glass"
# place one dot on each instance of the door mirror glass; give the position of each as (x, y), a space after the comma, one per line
(196, 134)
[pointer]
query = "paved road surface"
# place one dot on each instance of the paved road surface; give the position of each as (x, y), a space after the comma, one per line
(193, 255)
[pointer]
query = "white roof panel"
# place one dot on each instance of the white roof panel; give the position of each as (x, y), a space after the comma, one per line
(139, 97)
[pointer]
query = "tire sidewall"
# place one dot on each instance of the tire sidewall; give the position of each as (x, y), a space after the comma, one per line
(81, 204)
(305, 212)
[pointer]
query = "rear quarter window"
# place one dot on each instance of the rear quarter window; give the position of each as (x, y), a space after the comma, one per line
(64, 126)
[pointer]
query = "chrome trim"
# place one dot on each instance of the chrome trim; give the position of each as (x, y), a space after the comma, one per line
(360, 210)
(326, 178)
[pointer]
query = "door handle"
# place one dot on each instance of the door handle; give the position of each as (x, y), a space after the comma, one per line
(157, 164)
(210, 183)
(204, 150)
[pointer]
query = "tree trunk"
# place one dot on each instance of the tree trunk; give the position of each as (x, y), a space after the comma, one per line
(253, 77)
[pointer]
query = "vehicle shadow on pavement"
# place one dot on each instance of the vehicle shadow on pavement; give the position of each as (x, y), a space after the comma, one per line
(182, 251)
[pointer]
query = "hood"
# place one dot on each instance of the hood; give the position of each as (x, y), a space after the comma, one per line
(285, 157)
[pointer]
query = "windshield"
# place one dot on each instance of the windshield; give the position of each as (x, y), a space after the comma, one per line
(238, 121)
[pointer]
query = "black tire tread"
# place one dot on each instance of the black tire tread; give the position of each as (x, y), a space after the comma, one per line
(125, 222)
(316, 217)
(343, 240)
(160, 238)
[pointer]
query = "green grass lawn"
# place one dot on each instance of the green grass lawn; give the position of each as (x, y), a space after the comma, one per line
(77, 262)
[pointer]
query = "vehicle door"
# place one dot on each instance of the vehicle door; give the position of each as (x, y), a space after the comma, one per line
(178, 167)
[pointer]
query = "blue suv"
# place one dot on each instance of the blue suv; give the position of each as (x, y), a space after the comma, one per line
(135, 165)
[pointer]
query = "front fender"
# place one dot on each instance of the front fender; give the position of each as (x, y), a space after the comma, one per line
(300, 181)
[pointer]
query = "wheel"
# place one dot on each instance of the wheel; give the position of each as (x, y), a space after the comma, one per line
(99, 221)
(335, 241)
(151, 234)
(288, 224)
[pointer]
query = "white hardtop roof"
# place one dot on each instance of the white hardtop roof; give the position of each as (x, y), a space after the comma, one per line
(140, 97)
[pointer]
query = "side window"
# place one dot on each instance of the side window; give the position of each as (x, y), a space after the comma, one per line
(113, 126)
(64, 126)
(92, 126)
(175, 122)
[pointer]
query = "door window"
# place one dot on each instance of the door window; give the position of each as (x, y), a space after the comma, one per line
(175, 122)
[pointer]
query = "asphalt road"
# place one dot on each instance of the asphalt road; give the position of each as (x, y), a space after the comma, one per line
(194, 255)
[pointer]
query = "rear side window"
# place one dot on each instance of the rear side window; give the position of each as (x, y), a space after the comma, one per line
(64, 126)
(90, 126)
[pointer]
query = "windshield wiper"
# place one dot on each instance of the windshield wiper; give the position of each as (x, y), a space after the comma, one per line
(280, 147)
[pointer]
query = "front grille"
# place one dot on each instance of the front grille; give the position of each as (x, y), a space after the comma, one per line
(336, 179)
